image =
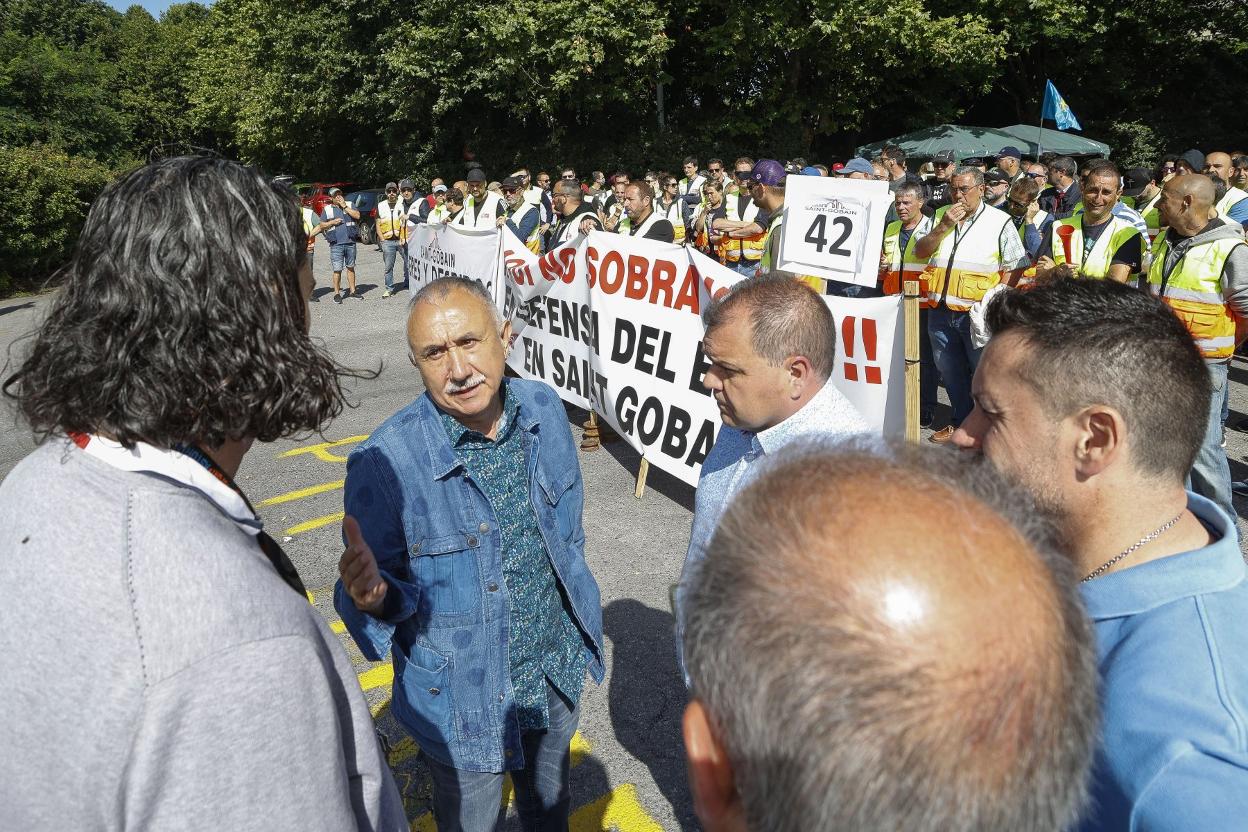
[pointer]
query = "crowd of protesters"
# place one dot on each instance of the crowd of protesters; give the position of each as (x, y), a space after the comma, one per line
(1037, 627)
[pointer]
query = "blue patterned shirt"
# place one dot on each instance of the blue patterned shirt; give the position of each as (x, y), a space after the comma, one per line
(544, 640)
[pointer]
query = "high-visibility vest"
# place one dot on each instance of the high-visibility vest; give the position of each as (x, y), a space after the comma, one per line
(702, 239)
(1194, 292)
(486, 219)
(967, 263)
(391, 221)
(748, 248)
(1098, 260)
(438, 213)
(903, 265)
(1233, 197)
(1152, 217)
(534, 243)
(687, 186)
(309, 225)
(764, 262)
(675, 215)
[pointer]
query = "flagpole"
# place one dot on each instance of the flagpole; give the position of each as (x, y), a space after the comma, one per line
(1040, 126)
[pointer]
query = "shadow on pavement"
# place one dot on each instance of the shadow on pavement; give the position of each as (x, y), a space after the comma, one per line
(646, 698)
(16, 307)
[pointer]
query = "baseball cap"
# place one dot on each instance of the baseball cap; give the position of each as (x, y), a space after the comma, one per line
(407, 185)
(437, 189)
(1009, 150)
(944, 157)
(1194, 158)
(767, 172)
(512, 182)
(996, 176)
(475, 175)
(837, 167)
(335, 191)
(973, 160)
(1135, 180)
(811, 170)
(857, 165)
(392, 186)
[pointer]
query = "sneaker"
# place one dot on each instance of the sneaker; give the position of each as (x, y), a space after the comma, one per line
(943, 435)
(388, 293)
(314, 298)
(1239, 487)
(337, 298)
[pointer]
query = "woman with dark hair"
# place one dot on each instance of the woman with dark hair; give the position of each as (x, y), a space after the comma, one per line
(193, 679)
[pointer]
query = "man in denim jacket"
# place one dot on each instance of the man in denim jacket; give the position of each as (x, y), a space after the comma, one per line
(465, 560)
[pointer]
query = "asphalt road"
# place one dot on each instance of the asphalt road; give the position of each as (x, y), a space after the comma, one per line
(628, 769)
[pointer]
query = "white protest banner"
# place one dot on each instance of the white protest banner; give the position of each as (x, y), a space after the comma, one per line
(613, 323)
(834, 228)
(438, 250)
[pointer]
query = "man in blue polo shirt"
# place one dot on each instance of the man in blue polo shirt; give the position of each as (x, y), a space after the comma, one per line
(1094, 396)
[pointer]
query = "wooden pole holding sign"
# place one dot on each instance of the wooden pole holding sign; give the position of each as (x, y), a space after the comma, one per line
(590, 440)
(641, 478)
(910, 311)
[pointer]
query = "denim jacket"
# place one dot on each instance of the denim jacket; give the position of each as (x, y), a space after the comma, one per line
(437, 544)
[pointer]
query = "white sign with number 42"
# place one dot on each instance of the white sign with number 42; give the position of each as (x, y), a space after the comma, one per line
(834, 228)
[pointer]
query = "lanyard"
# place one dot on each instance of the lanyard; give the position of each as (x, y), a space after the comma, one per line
(958, 236)
(281, 562)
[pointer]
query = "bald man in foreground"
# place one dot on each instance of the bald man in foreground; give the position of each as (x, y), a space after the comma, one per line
(876, 670)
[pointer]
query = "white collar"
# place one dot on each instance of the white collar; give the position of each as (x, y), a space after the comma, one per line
(177, 468)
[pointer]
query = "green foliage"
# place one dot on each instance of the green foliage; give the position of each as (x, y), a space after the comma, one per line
(48, 192)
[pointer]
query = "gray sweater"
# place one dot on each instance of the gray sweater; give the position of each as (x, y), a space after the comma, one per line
(156, 673)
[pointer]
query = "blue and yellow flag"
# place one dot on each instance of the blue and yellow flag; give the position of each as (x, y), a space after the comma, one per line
(1056, 108)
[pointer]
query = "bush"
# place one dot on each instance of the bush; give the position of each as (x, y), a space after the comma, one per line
(47, 194)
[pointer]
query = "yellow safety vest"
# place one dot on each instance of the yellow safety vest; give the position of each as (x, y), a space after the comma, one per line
(626, 224)
(673, 215)
(1193, 291)
(1098, 260)
(749, 249)
(764, 263)
(485, 220)
(1232, 197)
(534, 243)
(1152, 218)
(903, 265)
(309, 224)
(391, 220)
(967, 263)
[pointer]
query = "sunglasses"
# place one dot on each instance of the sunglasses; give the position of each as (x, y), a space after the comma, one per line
(391, 191)
(669, 184)
(742, 174)
(565, 176)
(717, 170)
(508, 190)
(1035, 175)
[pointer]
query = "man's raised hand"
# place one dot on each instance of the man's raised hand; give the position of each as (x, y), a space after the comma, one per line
(358, 570)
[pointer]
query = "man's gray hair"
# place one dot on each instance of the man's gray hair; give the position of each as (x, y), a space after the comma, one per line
(914, 189)
(967, 170)
(831, 719)
(786, 317)
(1064, 164)
(568, 188)
(440, 287)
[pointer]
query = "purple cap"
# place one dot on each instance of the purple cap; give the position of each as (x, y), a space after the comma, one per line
(767, 172)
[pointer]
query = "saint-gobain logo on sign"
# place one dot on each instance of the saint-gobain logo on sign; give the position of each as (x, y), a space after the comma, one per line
(836, 205)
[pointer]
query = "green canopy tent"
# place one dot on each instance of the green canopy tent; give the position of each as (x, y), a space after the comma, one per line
(966, 142)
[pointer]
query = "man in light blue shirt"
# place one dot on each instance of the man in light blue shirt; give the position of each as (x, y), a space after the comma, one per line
(771, 343)
(1094, 396)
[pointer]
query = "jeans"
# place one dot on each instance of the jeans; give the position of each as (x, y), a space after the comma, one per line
(1211, 473)
(955, 355)
(851, 290)
(928, 377)
(470, 801)
(389, 251)
(341, 255)
(744, 267)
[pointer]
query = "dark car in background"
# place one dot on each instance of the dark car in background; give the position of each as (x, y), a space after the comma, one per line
(315, 195)
(365, 202)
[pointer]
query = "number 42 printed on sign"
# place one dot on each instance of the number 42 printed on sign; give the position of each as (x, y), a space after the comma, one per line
(834, 228)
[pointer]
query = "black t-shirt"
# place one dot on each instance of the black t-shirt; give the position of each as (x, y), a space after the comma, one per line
(939, 196)
(661, 230)
(1130, 253)
(586, 211)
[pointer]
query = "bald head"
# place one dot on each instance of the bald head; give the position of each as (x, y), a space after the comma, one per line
(1198, 188)
(921, 668)
(1186, 204)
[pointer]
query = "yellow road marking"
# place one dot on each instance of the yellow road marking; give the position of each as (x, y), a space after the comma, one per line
(579, 749)
(619, 809)
(337, 627)
(405, 750)
(425, 823)
(291, 496)
(382, 674)
(321, 451)
(376, 710)
(316, 523)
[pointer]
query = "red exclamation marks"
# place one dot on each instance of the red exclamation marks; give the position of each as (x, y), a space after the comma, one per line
(868, 346)
(847, 338)
(849, 327)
